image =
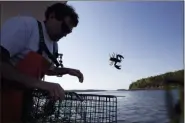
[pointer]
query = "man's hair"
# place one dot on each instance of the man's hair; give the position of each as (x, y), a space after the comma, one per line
(61, 11)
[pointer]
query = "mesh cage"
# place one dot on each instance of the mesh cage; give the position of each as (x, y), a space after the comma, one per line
(76, 108)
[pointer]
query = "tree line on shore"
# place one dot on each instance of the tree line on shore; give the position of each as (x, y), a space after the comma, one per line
(157, 82)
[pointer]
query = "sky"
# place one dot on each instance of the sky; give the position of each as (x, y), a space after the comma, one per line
(148, 34)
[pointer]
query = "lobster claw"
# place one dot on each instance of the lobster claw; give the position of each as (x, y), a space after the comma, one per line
(117, 66)
(120, 56)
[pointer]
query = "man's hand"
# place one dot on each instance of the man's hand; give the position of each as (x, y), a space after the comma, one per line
(76, 73)
(64, 71)
(70, 71)
(55, 90)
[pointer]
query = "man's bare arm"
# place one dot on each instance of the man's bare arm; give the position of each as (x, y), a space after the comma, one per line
(57, 71)
(64, 71)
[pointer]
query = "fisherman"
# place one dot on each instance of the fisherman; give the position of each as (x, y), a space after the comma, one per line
(28, 52)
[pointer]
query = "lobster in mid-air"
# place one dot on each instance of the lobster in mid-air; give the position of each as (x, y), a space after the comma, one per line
(116, 58)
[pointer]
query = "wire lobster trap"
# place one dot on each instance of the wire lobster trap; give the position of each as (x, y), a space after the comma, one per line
(76, 108)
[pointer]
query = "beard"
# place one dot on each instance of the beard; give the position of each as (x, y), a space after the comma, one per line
(57, 35)
(56, 38)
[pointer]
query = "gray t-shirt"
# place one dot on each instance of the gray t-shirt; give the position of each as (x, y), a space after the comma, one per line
(20, 35)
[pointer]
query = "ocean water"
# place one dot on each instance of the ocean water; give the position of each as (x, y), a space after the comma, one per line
(141, 106)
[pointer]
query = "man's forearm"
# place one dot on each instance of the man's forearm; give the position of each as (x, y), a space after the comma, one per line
(57, 71)
(8, 72)
(51, 73)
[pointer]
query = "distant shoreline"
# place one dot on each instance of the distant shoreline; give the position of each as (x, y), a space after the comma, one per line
(157, 82)
(142, 89)
(93, 90)
(88, 90)
(139, 89)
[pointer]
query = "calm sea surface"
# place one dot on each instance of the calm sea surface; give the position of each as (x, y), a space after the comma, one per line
(141, 106)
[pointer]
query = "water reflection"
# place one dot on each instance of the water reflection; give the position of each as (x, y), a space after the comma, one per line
(141, 106)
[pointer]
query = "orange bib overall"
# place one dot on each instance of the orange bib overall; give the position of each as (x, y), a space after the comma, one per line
(35, 65)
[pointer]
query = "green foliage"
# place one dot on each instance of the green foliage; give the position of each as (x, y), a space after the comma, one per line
(157, 82)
